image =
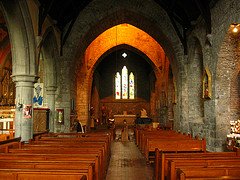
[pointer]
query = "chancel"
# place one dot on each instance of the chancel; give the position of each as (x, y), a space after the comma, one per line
(149, 82)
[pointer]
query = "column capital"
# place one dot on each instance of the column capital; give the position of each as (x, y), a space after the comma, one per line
(51, 89)
(24, 78)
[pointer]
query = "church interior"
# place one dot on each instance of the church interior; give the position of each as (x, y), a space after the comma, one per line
(123, 79)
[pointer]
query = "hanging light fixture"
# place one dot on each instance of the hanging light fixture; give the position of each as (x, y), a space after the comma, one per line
(124, 55)
(235, 28)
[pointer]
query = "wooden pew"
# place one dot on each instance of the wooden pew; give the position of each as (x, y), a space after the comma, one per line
(13, 174)
(85, 168)
(208, 173)
(5, 145)
(90, 158)
(160, 136)
(153, 141)
(143, 135)
(71, 151)
(82, 139)
(75, 143)
(95, 139)
(83, 147)
(92, 141)
(162, 159)
(211, 162)
(175, 145)
(93, 148)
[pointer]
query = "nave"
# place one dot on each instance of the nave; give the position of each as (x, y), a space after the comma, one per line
(108, 155)
(127, 162)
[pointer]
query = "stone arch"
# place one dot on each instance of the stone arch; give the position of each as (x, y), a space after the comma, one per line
(127, 34)
(21, 36)
(126, 12)
(135, 38)
(165, 36)
(98, 17)
(96, 101)
(50, 73)
(23, 48)
(49, 49)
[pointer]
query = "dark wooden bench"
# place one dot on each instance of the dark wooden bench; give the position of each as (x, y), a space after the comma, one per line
(10, 143)
(76, 147)
(90, 158)
(75, 143)
(143, 135)
(71, 151)
(162, 159)
(156, 137)
(78, 140)
(213, 162)
(13, 174)
(175, 145)
(86, 168)
(208, 173)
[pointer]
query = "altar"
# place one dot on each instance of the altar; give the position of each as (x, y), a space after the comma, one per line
(119, 118)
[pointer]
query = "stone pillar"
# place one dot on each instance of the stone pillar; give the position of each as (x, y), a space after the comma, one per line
(24, 96)
(50, 91)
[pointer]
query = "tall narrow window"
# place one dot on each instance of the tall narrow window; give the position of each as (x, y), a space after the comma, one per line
(118, 86)
(131, 86)
(124, 83)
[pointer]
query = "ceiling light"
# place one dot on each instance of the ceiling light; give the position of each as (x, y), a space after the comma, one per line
(124, 55)
(235, 28)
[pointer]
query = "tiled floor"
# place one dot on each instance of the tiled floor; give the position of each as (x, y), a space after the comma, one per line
(127, 163)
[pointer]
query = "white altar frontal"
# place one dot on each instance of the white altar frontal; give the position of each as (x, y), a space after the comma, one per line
(6, 125)
(119, 118)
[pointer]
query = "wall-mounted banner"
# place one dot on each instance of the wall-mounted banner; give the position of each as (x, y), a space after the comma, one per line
(38, 95)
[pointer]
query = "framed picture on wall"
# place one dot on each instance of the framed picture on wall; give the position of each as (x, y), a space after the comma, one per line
(207, 84)
(27, 111)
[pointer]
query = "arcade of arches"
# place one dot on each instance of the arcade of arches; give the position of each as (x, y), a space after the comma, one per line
(195, 88)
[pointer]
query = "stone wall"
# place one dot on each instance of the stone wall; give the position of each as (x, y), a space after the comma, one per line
(220, 53)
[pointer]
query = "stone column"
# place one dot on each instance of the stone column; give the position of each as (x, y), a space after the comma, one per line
(50, 91)
(24, 96)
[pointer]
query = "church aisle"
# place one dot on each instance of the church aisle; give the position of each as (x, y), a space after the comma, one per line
(127, 163)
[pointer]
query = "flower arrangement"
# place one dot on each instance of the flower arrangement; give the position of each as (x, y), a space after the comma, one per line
(235, 126)
(233, 139)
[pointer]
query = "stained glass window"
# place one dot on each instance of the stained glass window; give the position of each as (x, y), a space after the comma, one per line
(131, 86)
(124, 85)
(118, 86)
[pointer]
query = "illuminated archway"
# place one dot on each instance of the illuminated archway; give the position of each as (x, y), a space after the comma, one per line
(112, 37)
(124, 34)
